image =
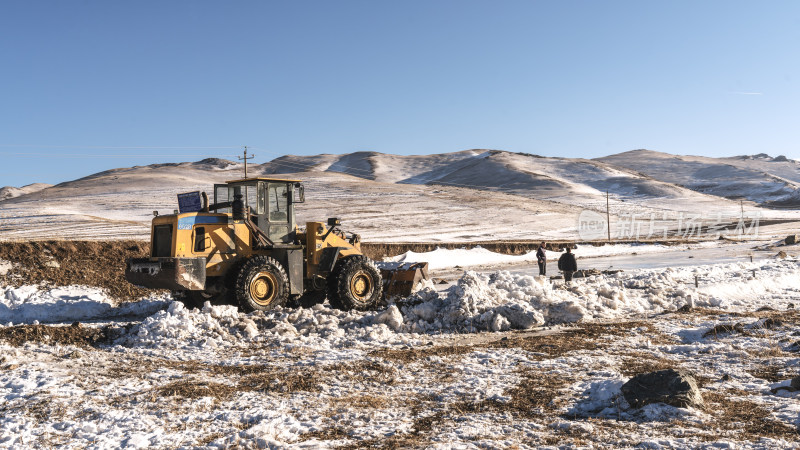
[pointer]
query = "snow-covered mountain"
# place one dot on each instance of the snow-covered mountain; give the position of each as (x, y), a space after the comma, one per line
(760, 178)
(11, 191)
(517, 173)
(468, 195)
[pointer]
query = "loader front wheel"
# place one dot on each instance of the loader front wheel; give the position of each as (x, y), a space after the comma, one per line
(355, 284)
(261, 284)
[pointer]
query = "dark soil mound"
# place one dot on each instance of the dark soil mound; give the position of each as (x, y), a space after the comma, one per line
(64, 263)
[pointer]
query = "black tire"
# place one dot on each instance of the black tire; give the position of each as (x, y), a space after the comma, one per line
(261, 284)
(355, 283)
(188, 300)
(217, 292)
(197, 299)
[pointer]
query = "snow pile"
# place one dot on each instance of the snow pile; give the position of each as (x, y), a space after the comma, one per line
(211, 327)
(26, 304)
(5, 267)
(476, 302)
(506, 300)
(222, 325)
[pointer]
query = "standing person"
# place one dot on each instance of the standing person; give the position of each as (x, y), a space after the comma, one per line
(568, 265)
(541, 258)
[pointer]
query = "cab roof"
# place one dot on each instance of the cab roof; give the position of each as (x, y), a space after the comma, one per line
(279, 180)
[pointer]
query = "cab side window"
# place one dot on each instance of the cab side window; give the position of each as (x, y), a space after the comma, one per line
(199, 239)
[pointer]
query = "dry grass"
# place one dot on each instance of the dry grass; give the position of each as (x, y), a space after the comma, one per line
(209, 438)
(327, 434)
(397, 441)
(589, 336)
(747, 420)
(724, 329)
(410, 355)
(363, 401)
(284, 382)
(45, 410)
(536, 396)
(770, 372)
(363, 371)
(192, 389)
(790, 316)
(635, 363)
(47, 334)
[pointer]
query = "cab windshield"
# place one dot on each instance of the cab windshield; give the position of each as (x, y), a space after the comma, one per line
(253, 195)
(278, 202)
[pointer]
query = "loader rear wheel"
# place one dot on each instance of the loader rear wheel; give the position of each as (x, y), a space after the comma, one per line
(261, 284)
(355, 284)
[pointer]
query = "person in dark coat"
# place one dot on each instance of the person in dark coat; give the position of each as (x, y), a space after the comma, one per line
(541, 258)
(568, 265)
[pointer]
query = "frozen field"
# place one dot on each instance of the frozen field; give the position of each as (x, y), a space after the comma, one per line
(497, 359)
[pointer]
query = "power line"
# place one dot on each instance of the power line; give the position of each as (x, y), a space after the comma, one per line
(106, 147)
(97, 155)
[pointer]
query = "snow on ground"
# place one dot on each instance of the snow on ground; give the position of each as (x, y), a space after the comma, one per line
(5, 266)
(29, 304)
(443, 258)
(418, 373)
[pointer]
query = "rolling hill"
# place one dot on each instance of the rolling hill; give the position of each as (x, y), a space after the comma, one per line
(463, 196)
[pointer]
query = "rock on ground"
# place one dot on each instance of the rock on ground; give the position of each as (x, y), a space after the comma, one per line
(670, 386)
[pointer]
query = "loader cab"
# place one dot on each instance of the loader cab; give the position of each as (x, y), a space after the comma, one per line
(269, 202)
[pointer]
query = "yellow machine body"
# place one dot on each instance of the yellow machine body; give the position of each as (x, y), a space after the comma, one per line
(202, 250)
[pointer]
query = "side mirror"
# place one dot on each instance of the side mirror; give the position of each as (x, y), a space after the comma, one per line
(334, 222)
(300, 193)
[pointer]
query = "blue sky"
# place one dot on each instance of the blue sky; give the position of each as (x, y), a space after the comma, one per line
(91, 85)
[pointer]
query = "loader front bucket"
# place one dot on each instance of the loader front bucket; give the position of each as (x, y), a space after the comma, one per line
(401, 280)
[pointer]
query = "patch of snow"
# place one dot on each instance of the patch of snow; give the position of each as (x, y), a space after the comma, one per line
(5, 267)
(30, 303)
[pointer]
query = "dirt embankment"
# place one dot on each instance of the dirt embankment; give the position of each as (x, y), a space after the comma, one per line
(64, 263)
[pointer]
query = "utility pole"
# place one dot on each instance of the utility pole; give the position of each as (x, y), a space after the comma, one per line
(741, 204)
(245, 160)
(608, 219)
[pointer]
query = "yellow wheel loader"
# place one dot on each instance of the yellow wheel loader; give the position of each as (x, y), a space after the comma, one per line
(246, 248)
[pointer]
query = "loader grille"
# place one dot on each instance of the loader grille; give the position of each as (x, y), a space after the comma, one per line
(162, 241)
